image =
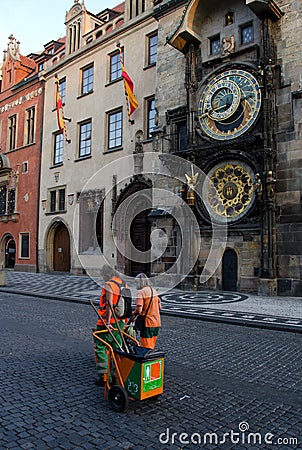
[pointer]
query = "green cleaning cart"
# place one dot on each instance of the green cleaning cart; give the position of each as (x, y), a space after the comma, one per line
(139, 372)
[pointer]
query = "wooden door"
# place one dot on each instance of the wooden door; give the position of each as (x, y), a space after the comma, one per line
(229, 270)
(62, 250)
(140, 237)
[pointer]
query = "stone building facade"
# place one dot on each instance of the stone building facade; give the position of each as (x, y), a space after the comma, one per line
(89, 170)
(228, 98)
(211, 154)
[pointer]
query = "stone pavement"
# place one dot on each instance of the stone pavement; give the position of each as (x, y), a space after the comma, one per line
(279, 313)
(219, 380)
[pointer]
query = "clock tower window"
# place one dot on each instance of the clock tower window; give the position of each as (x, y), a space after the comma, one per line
(214, 43)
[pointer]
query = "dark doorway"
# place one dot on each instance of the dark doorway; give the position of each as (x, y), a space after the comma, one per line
(140, 238)
(132, 228)
(229, 270)
(10, 254)
(61, 249)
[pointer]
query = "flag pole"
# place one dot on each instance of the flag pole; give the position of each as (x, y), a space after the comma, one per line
(131, 101)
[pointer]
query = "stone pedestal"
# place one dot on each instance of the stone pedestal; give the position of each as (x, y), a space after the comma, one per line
(2, 278)
(267, 287)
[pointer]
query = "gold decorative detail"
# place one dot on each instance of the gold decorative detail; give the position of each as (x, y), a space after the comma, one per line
(191, 182)
(231, 190)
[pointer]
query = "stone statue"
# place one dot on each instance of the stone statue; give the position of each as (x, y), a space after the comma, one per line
(270, 184)
(257, 185)
(228, 45)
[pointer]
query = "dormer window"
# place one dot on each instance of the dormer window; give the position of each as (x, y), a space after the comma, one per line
(105, 18)
(41, 66)
(51, 51)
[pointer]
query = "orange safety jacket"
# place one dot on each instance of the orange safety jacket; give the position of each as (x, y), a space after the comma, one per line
(103, 304)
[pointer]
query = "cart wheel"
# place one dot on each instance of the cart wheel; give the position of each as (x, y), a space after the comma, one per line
(118, 398)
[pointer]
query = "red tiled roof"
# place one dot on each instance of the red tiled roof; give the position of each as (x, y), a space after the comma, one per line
(119, 8)
(28, 62)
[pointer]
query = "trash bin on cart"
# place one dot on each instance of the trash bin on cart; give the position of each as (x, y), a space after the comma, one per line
(143, 376)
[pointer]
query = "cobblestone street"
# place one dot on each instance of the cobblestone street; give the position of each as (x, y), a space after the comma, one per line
(219, 379)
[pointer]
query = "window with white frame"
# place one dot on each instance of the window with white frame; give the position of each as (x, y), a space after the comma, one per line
(63, 90)
(152, 49)
(151, 112)
(85, 139)
(115, 129)
(58, 148)
(87, 79)
(115, 71)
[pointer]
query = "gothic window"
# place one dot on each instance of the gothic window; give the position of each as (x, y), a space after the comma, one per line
(12, 132)
(30, 126)
(87, 80)
(85, 139)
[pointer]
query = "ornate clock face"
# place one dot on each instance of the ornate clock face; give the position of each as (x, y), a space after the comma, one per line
(228, 191)
(229, 104)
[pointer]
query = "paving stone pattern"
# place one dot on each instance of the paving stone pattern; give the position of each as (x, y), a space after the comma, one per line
(218, 378)
(176, 302)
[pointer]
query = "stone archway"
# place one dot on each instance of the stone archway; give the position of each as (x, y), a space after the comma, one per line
(58, 248)
(133, 235)
(9, 247)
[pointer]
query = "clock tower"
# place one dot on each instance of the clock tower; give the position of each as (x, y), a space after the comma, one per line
(225, 123)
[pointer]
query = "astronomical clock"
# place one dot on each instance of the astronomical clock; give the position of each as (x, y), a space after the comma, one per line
(228, 107)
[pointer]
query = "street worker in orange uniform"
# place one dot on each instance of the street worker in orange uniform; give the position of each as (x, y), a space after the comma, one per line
(148, 305)
(109, 297)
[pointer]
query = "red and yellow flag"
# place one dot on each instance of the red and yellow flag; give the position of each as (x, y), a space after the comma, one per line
(131, 100)
(60, 110)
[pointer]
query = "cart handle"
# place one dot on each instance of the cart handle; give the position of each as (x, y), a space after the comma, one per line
(109, 347)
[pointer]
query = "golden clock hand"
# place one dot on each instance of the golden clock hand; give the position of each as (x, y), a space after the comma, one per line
(205, 114)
